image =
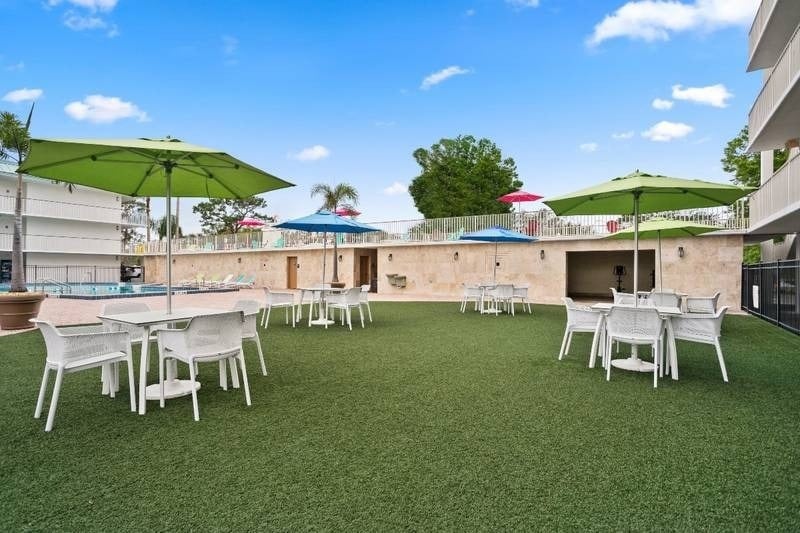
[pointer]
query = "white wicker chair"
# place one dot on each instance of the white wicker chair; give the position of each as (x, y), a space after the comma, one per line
(278, 300)
(205, 339)
(664, 299)
(345, 303)
(639, 326)
(365, 299)
(702, 328)
(80, 348)
(702, 304)
(521, 294)
(250, 309)
(470, 294)
(622, 298)
(580, 319)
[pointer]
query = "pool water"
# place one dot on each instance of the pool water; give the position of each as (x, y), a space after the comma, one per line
(96, 291)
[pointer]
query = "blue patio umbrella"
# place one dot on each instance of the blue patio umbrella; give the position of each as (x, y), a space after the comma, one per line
(496, 234)
(323, 222)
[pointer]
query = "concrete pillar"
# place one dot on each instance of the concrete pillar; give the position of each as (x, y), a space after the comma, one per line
(767, 165)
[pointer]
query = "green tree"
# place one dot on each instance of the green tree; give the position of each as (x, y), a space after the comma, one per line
(340, 195)
(463, 176)
(221, 215)
(160, 227)
(745, 167)
(14, 145)
(132, 207)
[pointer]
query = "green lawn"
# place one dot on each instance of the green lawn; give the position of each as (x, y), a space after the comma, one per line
(428, 419)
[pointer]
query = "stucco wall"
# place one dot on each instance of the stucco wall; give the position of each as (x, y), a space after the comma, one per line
(710, 263)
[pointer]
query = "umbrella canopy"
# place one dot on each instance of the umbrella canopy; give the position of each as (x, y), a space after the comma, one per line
(496, 234)
(148, 167)
(322, 222)
(657, 228)
(519, 196)
(347, 212)
(250, 223)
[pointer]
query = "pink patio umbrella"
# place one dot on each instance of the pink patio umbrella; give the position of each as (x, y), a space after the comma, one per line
(347, 211)
(518, 197)
(250, 223)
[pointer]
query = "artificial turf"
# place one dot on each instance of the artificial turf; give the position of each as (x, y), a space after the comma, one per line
(426, 420)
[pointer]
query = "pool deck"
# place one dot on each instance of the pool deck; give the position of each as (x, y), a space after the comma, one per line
(65, 311)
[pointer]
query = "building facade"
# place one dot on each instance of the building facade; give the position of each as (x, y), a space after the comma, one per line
(774, 123)
(68, 236)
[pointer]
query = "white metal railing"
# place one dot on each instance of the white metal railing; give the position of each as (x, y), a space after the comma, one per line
(776, 194)
(542, 224)
(72, 211)
(759, 24)
(63, 244)
(134, 219)
(781, 79)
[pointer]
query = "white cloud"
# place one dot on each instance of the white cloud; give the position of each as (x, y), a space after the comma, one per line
(666, 131)
(312, 153)
(23, 95)
(588, 147)
(91, 5)
(78, 22)
(713, 95)
(100, 109)
(622, 136)
(396, 188)
(662, 105)
(441, 75)
(522, 4)
(656, 20)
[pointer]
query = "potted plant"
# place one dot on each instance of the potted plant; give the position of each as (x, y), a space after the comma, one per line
(18, 305)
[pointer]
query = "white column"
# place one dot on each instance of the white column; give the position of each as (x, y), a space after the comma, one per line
(767, 165)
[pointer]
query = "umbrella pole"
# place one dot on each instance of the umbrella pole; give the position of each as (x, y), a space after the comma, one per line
(660, 270)
(324, 255)
(168, 172)
(494, 265)
(635, 249)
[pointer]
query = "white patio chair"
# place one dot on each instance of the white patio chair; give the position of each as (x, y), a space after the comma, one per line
(345, 303)
(622, 298)
(502, 296)
(205, 339)
(250, 308)
(78, 348)
(521, 294)
(664, 299)
(638, 326)
(580, 319)
(470, 294)
(365, 299)
(702, 328)
(278, 300)
(702, 304)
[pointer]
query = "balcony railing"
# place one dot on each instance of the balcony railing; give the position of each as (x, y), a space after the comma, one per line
(542, 224)
(63, 244)
(780, 192)
(781, 79)
(71, 211)
(759, 24)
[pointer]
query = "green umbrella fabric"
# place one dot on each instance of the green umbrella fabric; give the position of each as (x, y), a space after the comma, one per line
(137, 167)
(661, 228)
(655, 193)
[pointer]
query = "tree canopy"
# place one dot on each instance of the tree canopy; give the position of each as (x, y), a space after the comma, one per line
(462, 176)
(745, 167)
(221, 215)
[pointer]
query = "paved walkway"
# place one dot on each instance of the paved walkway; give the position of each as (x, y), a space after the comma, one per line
(68, 311)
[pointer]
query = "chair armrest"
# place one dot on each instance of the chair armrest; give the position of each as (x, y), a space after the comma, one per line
(78, 330)
(172, 339)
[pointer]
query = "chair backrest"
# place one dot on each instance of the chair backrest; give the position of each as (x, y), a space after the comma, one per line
(504, 291)
(699, 327)
(623, 298)
(634, 323)
(365, 293)
(664, 299)
(702, 304)
(521, 291)
(227, 278)
(353, 296)
(222, 331)
(580, 316)
(250, 308)
(277, 298)
(53, 340)
(471, 291)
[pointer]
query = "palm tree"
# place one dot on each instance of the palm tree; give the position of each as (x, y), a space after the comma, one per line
(147, 222)
(159, 225)
(340, 195)
(14, 145)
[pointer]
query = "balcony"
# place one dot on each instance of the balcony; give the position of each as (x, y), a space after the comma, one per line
(775, 115)
(774, 23)
(542, 224)
(775, 207)
(71, 211)
(63, 244)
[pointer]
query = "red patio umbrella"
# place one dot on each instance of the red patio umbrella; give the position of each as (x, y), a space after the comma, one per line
(250, 223)
(518, 197)
(347, 212)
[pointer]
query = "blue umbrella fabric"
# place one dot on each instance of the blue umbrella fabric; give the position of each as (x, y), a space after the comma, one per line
(495, 235)
(322, 222)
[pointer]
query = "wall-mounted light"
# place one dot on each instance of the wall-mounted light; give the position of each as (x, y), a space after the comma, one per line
(340, 258)
(238, 259)
(455, 256)
(173, 261)
(541, 255)
(681, 252)
(390, 257)
(298, 265)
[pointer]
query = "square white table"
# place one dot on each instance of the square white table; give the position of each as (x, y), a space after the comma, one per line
(633, 363)
(173, 387)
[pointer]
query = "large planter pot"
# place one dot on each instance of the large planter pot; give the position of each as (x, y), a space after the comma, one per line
(17, 308)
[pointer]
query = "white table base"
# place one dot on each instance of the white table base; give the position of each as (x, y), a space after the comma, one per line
(634, 364)
(174, 388)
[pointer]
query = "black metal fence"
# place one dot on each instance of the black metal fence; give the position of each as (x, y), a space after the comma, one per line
(769, 291)
(72, 273)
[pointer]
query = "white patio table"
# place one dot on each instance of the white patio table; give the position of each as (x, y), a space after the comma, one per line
(633, 363)
(487, 310)
(173, 387)
(321, 320)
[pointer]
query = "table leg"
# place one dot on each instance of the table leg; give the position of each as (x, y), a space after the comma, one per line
(672, 351)
(596, 342)
(143, 364)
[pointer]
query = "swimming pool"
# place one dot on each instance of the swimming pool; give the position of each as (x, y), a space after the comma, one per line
(104, 291)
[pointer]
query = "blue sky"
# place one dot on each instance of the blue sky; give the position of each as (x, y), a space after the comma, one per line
(332, 91)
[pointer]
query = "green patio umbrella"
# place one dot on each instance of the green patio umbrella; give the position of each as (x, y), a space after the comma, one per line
(148, 167)
(657, 228)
